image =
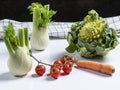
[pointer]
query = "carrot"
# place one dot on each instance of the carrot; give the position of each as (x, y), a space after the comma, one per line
(96, 66)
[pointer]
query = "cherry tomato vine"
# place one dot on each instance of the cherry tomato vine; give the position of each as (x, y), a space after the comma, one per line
(65, 64)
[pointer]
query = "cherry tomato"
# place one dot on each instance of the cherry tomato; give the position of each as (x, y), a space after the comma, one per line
(40, 70)
(64, 58)
(58, 62)
(70, 63)
(57, 66)
(54, 72)
(72, 59)
(67, 58)
(67, 68)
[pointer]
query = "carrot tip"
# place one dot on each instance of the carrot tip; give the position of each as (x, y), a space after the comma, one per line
(113, 70)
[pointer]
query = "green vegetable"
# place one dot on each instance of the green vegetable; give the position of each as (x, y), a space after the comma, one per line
(91, 37)
(42, 16)
(19, 62)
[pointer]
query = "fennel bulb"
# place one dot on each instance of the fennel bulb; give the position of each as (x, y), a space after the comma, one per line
(41, 17)
(39, 39)
(19, 62)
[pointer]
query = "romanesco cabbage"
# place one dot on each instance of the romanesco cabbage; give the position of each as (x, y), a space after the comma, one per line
(91, 37)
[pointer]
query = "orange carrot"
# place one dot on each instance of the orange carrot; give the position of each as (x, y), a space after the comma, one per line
(96, 66)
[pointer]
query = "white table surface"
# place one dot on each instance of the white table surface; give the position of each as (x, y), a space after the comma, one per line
(79, 79)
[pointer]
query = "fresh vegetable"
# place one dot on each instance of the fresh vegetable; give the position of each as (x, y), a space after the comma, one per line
(56, 67)
(19, 62)
(67, 68)
(64, 58)
(67, 59)
(96, 66)
(40, 70)
(54, 72)
(42, 16)
(58, 62)
(91, 37)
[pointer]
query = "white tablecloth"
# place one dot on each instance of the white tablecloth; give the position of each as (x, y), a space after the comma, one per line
(79, 79)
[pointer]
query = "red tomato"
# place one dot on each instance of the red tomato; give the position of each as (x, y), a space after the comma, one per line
(72, 59)
(57, 66)
(64, 58)
(54, 72)
(67, 68)
(67, 58)
(40, 70)
(70, 63)
(58, 62)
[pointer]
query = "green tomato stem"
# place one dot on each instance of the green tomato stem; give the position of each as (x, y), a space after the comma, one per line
(40, 61)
